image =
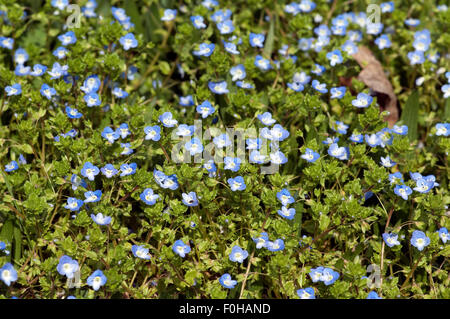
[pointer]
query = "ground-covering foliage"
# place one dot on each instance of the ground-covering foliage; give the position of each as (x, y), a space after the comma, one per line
(224, 149)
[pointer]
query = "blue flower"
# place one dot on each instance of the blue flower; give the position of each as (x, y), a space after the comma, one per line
(275, 245)
(278, 158)
(340, 127)
(128, 169)
(57, 71)
(310, 155)
(60, 52)
(11, 166)
(180, 248)
(331, 140)
(14, 89)
(320, 87)
(73, 113)
(186, 100)
(169, 15)
(261, 241)
(190, 199)
(419, 240)
(140, 252)
(221, 15)
(67, 266)
(372, 140)
(385, 136)
(337, 92)
(89, 171)
(307, 293)
(416, 57)
(74, 204)
(119, 93)
(373, 295)
(198, 22)
(296, 86)
(278, 133)
(20, 56)
(396, 178)
(96, 280)
(148, 197)
(230, 47)
(400, 130)
(374, 28)
(322, 31)
(152, 133)
(92, 99)
(67, 38)
(128, 41)
(210, 166)
(244, 85)
(225, 27)
(349, 47)
(257, 157)
(205, 49)
(383, 42)
(316, 274)
(335, 57)
(194, 146)
(185, 130)
(288, 213)
(222, 140)
(6, 43)
(253, 143)
(262, 64)
(60, 4)
(237, 183)
(167, 120)
(47, 91)
(127, 150)
(443, 234)
(109, 170)
(101, 220)
(341, 153)
(38, 70)
(443, 129)
(329, 276)
(357, 138)
(256, 40)
(387, 162)
(77, 181)
(391, 239)
(284, 196)
(362, 100)
(226, 281)
(318, 69)
(218, 87)
(423, 186)
(22, 70)
(110, 135)
(8, 274)
(238, 254)
(306, 6)
(92, 197)
(91, 84)
(232, 163)
(403, 191)
(238, 72)
(205, 109)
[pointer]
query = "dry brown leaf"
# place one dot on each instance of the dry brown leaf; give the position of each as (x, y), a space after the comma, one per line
(372, 74)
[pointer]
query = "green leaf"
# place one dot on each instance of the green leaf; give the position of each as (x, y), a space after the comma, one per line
(410, 114)
(268, 46)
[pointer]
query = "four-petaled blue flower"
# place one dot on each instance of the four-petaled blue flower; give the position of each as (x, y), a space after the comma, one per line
(226, 281)
(238, 254)
(96, 280)
(419, 240)
(180, 248)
